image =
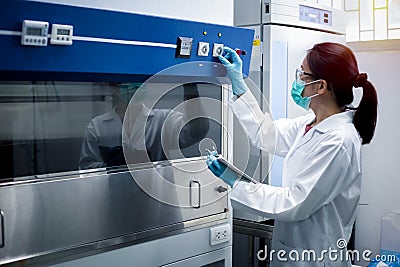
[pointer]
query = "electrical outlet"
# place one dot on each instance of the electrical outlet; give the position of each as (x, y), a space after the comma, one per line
(220, 234)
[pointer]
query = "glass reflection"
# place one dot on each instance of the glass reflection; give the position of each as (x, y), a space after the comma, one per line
(52, 127)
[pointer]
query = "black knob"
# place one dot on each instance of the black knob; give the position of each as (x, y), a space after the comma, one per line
(221, 189)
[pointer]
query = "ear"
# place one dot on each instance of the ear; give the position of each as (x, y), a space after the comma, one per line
(323, 87)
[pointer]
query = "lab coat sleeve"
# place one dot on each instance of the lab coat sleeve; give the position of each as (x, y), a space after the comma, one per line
(275, 137)
(180, 130)
(171, 125)
(90, 157)
(313, 187)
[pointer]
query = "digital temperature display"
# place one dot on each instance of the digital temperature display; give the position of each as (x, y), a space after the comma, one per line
(63, 31)
(34, 31)
(61, 34)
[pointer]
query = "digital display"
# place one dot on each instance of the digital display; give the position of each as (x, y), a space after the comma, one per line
(315, 15)
(34, 31)
(63, 31)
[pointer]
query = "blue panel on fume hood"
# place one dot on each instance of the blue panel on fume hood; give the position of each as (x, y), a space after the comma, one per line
(100, 59)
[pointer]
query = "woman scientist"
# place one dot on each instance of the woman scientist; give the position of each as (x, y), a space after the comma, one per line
(315, 208)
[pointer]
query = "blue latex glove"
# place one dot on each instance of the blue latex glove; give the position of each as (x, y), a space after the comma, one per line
(220, 170)
(234, 70)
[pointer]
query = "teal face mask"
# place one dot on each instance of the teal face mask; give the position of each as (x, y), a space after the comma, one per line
(127, 90)
(297, 90)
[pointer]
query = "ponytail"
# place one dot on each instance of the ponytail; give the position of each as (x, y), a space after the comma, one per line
(365, 117)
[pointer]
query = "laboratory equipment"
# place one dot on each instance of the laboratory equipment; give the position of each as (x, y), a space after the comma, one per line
(79, 185)
(34, 33)
(61, 34)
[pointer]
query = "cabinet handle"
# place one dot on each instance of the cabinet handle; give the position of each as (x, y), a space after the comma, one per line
(195, 194)
(1, 229)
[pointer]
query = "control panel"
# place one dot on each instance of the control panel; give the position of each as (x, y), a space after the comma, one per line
(34, 33)
(61, 34)
(80, 40)
(184, 48)
(315, 15)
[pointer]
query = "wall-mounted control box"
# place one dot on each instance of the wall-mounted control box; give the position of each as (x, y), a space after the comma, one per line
(184, 47)
(61, 34)
(34, 33)
(315, 15)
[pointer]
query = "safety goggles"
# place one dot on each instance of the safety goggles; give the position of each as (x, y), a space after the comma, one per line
(299, 73)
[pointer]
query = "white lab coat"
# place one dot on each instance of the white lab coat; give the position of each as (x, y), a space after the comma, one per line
(103, 130)
(154, 132)
(106, 131)
(321, 181)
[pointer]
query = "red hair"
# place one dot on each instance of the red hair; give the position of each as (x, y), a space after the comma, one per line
(337, 65)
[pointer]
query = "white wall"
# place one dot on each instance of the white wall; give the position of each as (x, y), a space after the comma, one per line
(210, 11)
(381, 160)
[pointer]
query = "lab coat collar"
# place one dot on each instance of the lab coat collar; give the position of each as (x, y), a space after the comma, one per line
(334, 121)
(324, 126)
(110, 116)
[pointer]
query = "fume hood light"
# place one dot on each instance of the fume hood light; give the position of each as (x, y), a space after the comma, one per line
(184, 47)
(219, 34)
(204, 33)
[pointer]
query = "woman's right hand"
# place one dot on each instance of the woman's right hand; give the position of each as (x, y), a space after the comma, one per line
(233, 65)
